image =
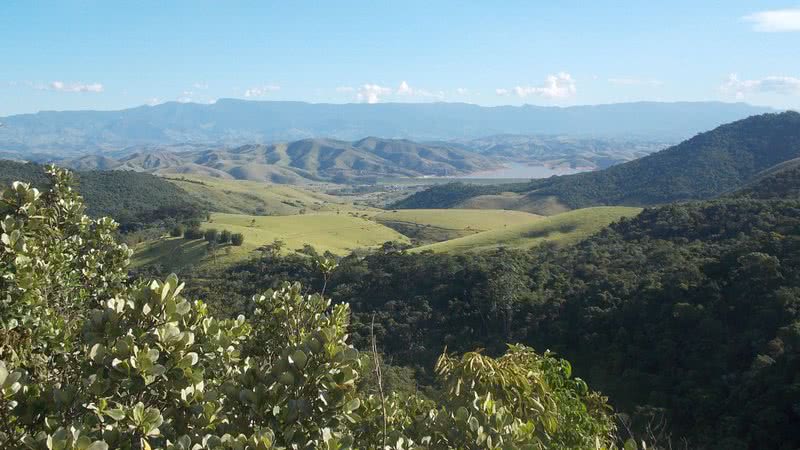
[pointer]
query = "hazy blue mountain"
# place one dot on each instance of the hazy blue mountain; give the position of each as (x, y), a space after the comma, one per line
(236, 122)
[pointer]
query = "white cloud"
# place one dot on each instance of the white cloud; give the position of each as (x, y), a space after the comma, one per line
(261, 91)
(61, 86)
(406, 90)
(200, 86)
(560, 85)
(462, 91)
(775, 21)
(345, 89)
(185, 97)
(372, 93)
(153, 101)
(501, 91)
(635, 82)
(771, 84)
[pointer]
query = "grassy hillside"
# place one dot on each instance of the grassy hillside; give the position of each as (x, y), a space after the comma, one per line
(435, 225)
(706, 166)
(256, 198)
(565, 228)
(327, 231)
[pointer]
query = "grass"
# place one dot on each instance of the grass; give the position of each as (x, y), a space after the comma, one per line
(532, 203)
(257, 198)
(436, 225)
(325, 231)
(563, 229)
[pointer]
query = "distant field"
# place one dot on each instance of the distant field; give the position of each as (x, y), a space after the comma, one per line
(536, 204)
(257, 198)
(436, 225)
(326, 231)
(564, 228)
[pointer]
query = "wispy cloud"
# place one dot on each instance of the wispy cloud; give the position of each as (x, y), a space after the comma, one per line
(261, 91)
(345, 89)
(557, 86)
(200, 86)
(372, 93)
(405, 90)
(61, 86)
(153, 101)
(462, 91)
(185, 97)
(775, 21)
(630, 81)
(771, 84)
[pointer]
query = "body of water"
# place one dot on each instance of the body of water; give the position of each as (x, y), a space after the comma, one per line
(518, 170)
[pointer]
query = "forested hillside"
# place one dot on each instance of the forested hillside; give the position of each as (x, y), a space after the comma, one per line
(686, 312)
(133, 199)
(706, 166)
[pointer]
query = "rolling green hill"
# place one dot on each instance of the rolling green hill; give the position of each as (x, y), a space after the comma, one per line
(327, 231)
(706, 166)
(132, 199)
(564, 228)
(256, 198)
(436, 225)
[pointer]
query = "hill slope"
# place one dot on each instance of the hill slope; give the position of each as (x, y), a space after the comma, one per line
(132, 199)
(565, 228)
(303, 160)
(706, 166)
(435, 225)
(237, 122)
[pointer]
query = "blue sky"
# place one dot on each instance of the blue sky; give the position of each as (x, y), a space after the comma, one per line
(111, 55)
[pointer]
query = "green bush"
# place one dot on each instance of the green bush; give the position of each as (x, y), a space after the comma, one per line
(237, 239)
(211, 235)
(176, 231)
(224, 237)
(193, 233)
(90, 360)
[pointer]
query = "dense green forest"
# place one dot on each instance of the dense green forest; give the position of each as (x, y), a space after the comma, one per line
(135, 200)
(687, 312)
(703, 167)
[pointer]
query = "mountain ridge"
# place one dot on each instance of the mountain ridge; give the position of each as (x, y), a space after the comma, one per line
(233, 122)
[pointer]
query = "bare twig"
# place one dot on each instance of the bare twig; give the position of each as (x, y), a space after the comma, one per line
(379, 376)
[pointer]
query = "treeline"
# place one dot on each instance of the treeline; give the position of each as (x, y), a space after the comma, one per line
(135, 200)
(690, 312)
(704, 167)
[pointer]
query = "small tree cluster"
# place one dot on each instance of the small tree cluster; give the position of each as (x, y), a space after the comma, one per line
(193, 233)
(177, 231)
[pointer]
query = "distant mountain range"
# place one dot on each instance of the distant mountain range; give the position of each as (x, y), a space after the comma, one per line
(232, 123)
(300, 161)
(708, 165)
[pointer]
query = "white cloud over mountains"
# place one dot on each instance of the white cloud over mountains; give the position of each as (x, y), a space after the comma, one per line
(372, 93)
(375, 93)
(556, 86)
(775, 21)
(261, 91)
(772, 84)
(61, 86)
